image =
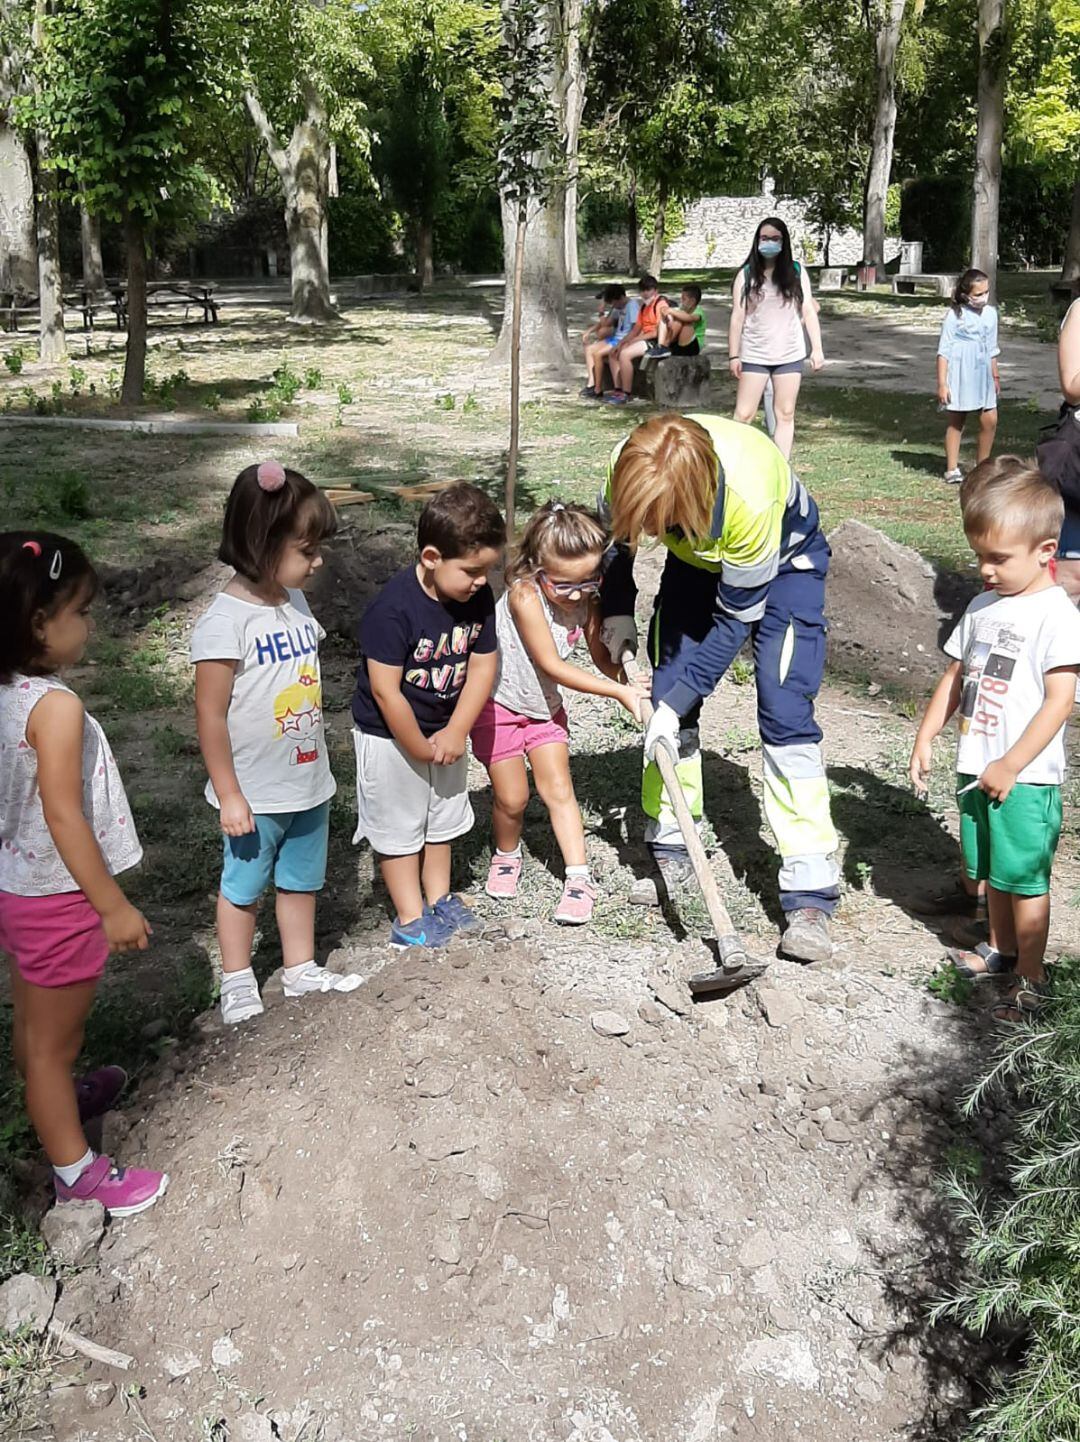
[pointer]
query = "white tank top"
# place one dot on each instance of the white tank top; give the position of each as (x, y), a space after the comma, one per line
(773, 328)
(30, 864)
(520, 687)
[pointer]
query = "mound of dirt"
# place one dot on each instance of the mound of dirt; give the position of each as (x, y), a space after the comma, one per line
(889, 610)
(526, 1191)
(356, 564)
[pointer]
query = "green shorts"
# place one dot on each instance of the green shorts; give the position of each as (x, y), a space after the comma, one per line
(1010, 843)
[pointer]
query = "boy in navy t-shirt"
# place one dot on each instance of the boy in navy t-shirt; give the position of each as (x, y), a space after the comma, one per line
(427, 665)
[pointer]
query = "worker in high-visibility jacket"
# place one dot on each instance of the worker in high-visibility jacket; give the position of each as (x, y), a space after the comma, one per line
(746, 559)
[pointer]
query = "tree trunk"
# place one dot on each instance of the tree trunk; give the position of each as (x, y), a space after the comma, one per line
(52, 344)
(543, 285)
(131, 390)
(425, 254)
(656, 265)
(993, 60)
(18, 233)
(1070, 269)
(92, 269)
(632, 228)
(573, 105)
(303, 167)
(881, 150)
(515, 374)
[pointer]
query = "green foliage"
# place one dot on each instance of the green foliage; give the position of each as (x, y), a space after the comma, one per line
(286, 383)
(13, 361)
(415, 141)
(947, 984)
(345, 394)
(120, 84)
(1023, 1240)
(313, 378)
(362, 229)
(528, 137)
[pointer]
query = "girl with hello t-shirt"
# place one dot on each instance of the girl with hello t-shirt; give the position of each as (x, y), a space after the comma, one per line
(258, 699)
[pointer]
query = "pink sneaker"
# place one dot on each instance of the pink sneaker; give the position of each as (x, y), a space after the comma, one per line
(503, 874)
(576, 904)
(122, 1191)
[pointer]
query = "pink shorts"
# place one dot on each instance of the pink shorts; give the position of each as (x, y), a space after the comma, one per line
(500, 734)
(54, 940)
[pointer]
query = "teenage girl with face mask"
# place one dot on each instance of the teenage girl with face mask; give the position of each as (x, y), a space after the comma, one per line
(967, 368)
(772, 315)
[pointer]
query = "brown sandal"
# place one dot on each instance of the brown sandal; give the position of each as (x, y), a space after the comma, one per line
(1024, 1002)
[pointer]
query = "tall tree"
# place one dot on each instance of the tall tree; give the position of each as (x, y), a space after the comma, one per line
(572, 107)
(52, 338)
(18, 233)
(993, 64)
(120, 89)
(531, 190)
(93, 270)
(887, 16)
(1070, 268)
(414, 149)
(305, 64)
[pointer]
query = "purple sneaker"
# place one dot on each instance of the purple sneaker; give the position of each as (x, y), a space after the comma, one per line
(122, 1191)
(97, 1091)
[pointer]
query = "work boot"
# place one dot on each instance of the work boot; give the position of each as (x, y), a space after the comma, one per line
(672, 870)
(806, 935)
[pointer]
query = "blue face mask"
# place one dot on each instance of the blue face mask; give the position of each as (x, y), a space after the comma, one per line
(770, 248)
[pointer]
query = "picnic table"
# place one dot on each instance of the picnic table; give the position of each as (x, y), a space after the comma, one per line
(159, 293)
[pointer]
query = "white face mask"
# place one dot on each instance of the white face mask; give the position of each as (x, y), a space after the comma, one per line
(977, 302)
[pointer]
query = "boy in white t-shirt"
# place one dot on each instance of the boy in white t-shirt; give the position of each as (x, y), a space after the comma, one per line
(1016, 656)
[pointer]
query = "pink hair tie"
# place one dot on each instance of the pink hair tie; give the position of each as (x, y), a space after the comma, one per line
(270, 475)
(34, 547)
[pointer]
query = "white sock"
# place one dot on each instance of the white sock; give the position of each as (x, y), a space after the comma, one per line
(230, 980)
(581, 872)
(70, 1175)
(294, 973)
(514, 855)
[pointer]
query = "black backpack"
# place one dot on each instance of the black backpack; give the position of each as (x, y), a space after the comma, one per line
(1058, 454)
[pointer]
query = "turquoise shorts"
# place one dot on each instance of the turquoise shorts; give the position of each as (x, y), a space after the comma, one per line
(288, 848)
(1010, 843)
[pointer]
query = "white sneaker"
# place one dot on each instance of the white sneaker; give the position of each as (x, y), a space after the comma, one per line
(316, 978)
(241, 1003)
(953, 478)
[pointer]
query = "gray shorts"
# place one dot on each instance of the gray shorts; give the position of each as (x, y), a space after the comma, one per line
(401, 803)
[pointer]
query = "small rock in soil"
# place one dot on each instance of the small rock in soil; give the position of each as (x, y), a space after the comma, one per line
(609, 1023)
(251, 1427)
(669, 994)
(99, 1395)
(779, 1008)
(435, 1082)
(73, 1230)
(837, 1132)
(758, 1250)
(27, 1301)
(180, 1363)
(225, 1353)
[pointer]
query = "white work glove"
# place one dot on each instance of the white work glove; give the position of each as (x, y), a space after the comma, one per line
(619, 635)
(664, 725)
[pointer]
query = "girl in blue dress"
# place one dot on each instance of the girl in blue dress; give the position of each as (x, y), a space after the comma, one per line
(967, 368)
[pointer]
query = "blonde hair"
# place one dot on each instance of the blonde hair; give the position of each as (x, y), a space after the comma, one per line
(556, 532)
(1011, 497)
(665, 476)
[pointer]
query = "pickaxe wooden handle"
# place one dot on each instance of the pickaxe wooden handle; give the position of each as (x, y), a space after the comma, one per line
(733, 954)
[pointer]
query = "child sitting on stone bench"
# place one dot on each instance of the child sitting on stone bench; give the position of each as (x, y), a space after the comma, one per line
(682, 331)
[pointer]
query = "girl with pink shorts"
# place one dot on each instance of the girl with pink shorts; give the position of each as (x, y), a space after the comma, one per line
(65, 832)
(551, 601)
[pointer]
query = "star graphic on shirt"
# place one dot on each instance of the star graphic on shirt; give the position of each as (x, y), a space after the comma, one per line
(299, 723)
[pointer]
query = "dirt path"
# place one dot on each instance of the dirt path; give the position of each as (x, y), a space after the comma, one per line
(526, 1191)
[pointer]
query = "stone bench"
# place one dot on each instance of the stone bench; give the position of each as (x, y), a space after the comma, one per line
(831, 277)
(937, 284)
(678, 382)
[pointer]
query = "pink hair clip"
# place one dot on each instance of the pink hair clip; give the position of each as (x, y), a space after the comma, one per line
(34, 547)
(270, 475)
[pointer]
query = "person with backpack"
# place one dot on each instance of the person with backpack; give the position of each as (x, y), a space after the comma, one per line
(772, 316)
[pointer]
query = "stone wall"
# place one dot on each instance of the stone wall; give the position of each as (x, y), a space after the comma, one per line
(718, 231)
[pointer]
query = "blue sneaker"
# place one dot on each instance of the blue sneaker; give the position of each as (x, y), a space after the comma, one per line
(456, 914)
(429, 931)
